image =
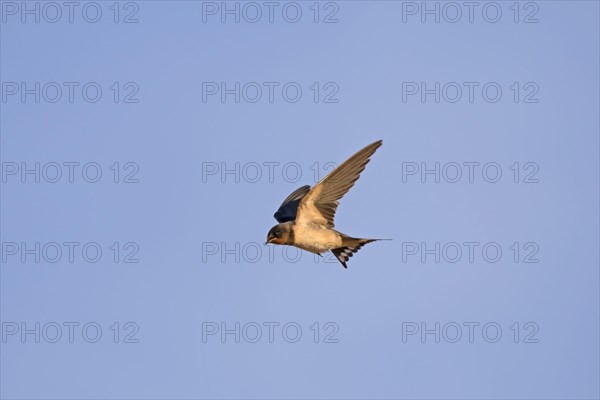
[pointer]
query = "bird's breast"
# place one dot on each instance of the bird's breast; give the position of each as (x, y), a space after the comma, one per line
(315, 238)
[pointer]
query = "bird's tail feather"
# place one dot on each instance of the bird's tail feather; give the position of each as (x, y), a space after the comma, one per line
(350, 246)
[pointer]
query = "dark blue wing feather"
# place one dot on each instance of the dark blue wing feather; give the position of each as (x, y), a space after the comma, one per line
(288, 209)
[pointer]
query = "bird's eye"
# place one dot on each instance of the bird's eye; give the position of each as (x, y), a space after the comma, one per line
(277, 233)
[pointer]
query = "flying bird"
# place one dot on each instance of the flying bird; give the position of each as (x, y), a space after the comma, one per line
(306, 216)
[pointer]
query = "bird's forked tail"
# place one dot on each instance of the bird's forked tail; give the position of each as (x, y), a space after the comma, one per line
(350, 246)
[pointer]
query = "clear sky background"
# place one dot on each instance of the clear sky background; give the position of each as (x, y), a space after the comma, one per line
(198, 235)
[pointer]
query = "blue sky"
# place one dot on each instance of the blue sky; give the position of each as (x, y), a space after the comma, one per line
(151, 190)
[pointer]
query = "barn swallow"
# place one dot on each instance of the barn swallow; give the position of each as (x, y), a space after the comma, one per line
(306, 216)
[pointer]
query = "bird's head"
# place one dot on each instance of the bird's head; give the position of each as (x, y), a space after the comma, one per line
(279, 234)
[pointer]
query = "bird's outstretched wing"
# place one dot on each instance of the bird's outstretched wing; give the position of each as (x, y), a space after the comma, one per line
(320, 203)
(288, 209)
